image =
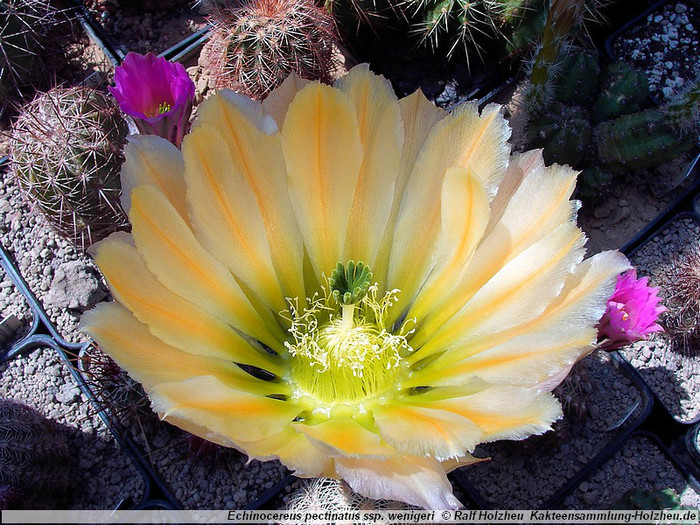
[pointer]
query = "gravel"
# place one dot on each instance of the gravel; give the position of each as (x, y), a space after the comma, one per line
(673, 377)
(665, 46)
(43, 381)
(639, 464)
(524, 475)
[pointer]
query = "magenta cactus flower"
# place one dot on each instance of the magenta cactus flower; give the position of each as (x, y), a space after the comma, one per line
(158, 94)
(631, 313)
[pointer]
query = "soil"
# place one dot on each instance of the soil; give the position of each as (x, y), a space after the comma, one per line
(673, 376)
(602, 401)
(665, 46)
(640, 464)
(143, 31)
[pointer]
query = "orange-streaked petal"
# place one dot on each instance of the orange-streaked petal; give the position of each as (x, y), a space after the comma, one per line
(503, 412)
(465, 139)
(518, 293)
(256, 151)
(225, 215)
(341, 435)
(169, 317)
(277, 102)
(295, 450)
(150, 361)
(224, 410)
(530, 353)
(427, 432)
(154, 160)
(381, 133)
(323, 151)
(176, 258)
(538, 207)
(465, 213)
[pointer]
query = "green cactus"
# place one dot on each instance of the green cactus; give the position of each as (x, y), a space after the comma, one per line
(623, 90)
(576, 84)
(66, 150)
(564, 132)
(592, 182)
(683, 110)
(640, 140)
(35, 460)
(29, 50)
(639, 499)
(19, 49)
(462, 24)
(260, 43)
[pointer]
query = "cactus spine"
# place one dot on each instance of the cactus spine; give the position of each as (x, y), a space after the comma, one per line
(35, 459)
(623, 90)
(66, 151)
(638, 141)
(260, 43)
(564, 132)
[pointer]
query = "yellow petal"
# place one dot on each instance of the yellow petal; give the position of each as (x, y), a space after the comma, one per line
(256, 152)
(323, 152)
(176, 258)
(426, 432)
(503, 412)
(519, 292)
(224, 410)
(413, 480)
(225, 214)
(293, 449)
(538, 207)
(277, 102)
(520, 166)
(530, 353)
(154, 160)
(150, 361)
(465, 139)
(381, 133)
(465, 213)
(344, 436)
(419, 117)
(169, 317)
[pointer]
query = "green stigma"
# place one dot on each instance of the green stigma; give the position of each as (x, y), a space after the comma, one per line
(164, 107)
(350, 283)
(345, 355)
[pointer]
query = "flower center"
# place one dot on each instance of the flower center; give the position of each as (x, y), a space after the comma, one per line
(342, 351)
(164, 107)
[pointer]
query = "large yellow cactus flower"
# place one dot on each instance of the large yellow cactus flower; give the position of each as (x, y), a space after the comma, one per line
(363, 287)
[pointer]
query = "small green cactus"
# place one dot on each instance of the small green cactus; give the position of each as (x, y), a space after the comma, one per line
(640, 140)
(577, 85)
(66, 149)
(593, 182)
(256, 46)
(639, 499)
(564, 132)
(623, 90)
(683, 110)
(20, 45)
(35, 460)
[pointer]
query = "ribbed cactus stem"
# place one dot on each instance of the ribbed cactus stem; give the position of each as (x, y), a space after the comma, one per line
(35, 459)
(66, 154)
(562, 17)
(257, 45)
(683, 111)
